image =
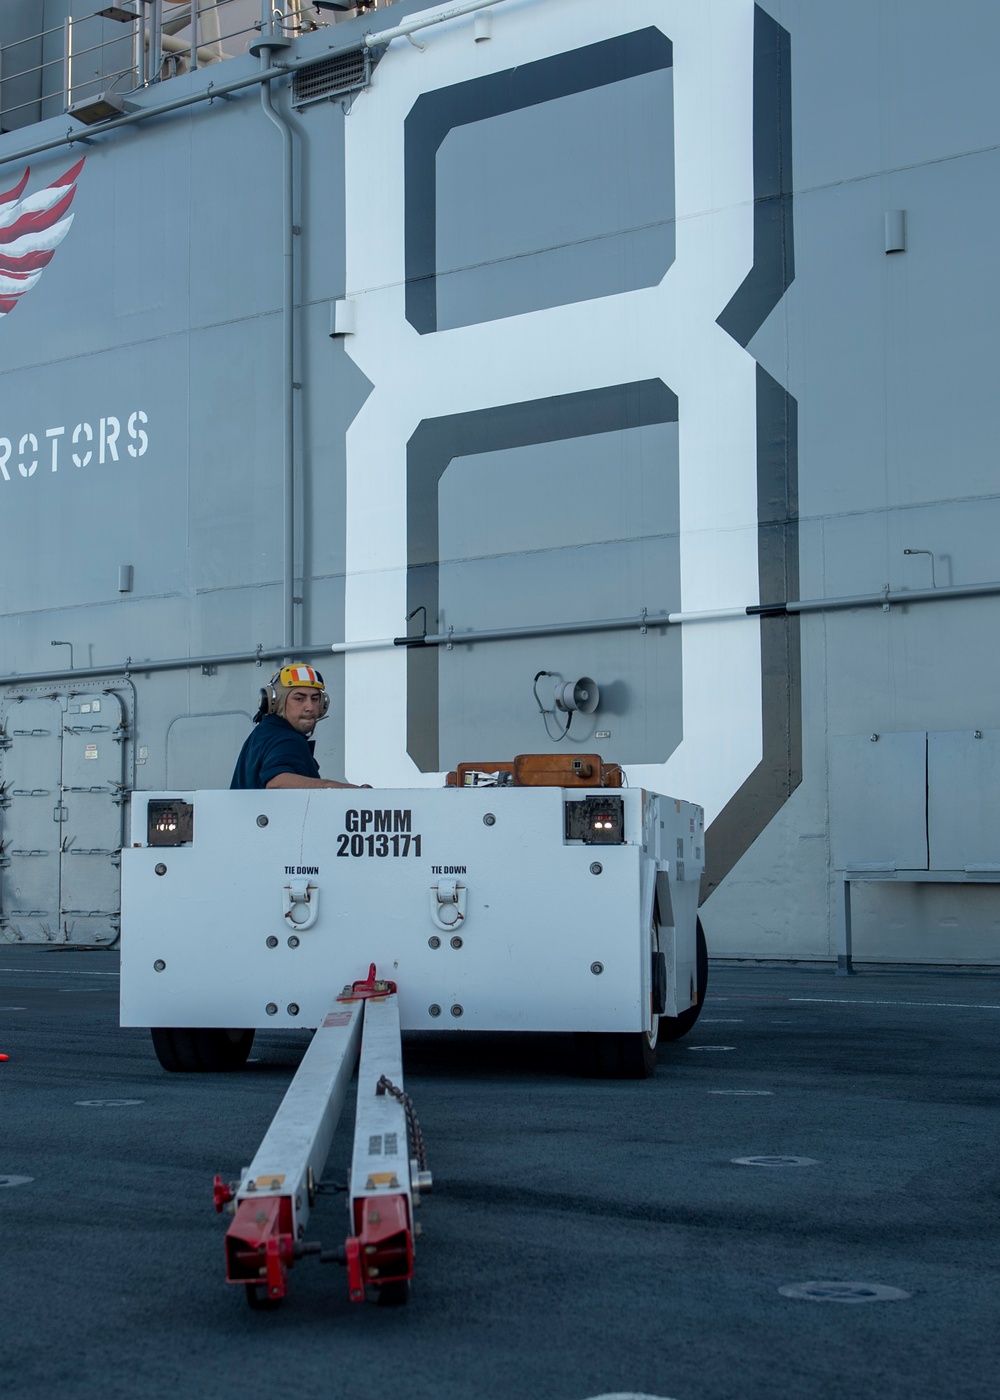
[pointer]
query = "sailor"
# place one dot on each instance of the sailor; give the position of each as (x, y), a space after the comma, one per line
(279, 750)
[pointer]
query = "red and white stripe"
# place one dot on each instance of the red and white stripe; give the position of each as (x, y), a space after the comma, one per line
(30, 231)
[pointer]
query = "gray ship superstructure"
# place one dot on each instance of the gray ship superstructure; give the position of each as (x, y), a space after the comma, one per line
(467, 350)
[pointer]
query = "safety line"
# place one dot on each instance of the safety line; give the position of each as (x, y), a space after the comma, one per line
(870, 1001)
(55, 972)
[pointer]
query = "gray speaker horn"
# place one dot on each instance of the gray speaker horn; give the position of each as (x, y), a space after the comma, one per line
(583, 695)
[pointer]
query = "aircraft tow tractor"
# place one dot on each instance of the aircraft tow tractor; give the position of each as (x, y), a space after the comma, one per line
(533, 895)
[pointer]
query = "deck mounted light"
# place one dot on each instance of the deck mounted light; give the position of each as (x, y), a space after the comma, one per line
(100, 108)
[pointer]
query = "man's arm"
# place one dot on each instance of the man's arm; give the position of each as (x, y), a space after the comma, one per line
(296, 780)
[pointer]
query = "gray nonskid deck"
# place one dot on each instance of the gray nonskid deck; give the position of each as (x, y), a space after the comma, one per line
(585, 1238)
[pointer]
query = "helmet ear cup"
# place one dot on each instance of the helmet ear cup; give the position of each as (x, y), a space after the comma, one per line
(270, 702)
(268, 699)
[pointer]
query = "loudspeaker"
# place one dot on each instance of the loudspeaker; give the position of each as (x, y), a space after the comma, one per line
(583, 695)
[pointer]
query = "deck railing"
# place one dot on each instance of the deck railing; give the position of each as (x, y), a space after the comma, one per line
(122, 47)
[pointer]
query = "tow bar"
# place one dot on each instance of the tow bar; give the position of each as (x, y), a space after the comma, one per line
(274, 1196)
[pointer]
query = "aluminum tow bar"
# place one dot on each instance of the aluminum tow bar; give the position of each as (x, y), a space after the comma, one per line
(272, 1201)
(380, 1252)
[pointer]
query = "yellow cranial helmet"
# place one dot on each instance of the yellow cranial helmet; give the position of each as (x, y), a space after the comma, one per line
(297, 676)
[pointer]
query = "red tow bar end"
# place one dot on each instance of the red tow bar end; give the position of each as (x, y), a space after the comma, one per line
(222, 1194)
(277, 1256)
(355, 1274)
(371, 987)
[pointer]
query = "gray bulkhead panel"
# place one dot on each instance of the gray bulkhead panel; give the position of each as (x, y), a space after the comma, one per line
(546, 230)
(599, 539)
(888, 358)
(963, 793)
(878, 800)
(143, 365)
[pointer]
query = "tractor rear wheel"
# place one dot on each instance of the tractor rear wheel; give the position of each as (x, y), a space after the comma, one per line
(673, 1027)
(197, 1049)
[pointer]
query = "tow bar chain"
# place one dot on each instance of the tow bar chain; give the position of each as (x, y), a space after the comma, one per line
(386, 1086)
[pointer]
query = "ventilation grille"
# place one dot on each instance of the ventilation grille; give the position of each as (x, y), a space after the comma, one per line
(347, 72)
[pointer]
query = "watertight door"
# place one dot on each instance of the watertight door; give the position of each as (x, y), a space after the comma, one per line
(30, 808)
(92, 796)
(61, 790)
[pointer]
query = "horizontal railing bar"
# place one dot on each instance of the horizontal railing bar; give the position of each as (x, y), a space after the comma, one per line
(754, 611)
(34, 101)
(38, 68)
(33, 38)
(284, 69)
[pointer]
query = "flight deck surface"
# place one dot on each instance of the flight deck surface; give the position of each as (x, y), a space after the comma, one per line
(585, 1238)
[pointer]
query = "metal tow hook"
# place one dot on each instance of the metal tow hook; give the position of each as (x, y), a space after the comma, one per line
(448, 904)
(300, 903)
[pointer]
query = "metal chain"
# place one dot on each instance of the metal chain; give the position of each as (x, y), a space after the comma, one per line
(386, 1086)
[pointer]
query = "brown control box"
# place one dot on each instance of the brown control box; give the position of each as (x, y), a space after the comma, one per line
(561, 770)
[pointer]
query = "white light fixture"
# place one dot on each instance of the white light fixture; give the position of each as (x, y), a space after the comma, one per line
(895, 230)
(103, 107)
(342, 318)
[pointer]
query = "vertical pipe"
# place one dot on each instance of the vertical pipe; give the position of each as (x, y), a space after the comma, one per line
(193, 61)
(156, 41)
(140, 45)
(67, 65)
(288, 350)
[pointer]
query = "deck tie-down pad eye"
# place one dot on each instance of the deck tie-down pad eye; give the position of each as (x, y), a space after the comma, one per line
(448, 904)
(300, 903)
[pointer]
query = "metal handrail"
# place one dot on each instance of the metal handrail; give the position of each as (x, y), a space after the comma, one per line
(30, 39)
(34, 101)
(37, 68)
(155, 54)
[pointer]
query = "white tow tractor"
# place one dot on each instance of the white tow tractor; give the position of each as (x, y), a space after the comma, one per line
(532, 895)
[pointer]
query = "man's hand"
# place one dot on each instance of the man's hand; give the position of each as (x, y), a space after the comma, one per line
(296, 780)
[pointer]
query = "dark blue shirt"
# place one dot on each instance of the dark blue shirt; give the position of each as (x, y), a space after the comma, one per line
(273, 747)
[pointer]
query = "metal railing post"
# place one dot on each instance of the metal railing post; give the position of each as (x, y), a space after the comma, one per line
(156, 40)
(140, 45)
(194, 35)
(67, 63)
